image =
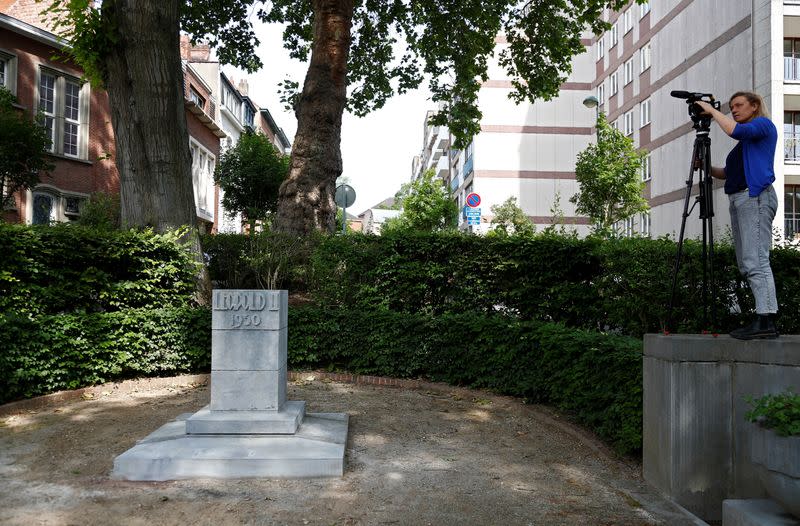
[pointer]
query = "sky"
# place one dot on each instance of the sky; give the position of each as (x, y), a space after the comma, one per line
(377, 150)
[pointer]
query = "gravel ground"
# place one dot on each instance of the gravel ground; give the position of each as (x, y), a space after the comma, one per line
(434, 455)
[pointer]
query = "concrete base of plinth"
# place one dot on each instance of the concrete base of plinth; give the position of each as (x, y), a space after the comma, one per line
(755, 512)
(315, 450)
(284, 422)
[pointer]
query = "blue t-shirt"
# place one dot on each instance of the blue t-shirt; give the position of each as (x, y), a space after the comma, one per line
(759, 139)
(735, 180)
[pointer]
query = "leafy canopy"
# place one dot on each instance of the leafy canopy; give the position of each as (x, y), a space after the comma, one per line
(427, 207)
(609, 177)
(250, 175)
(396, 44)
(23, 149)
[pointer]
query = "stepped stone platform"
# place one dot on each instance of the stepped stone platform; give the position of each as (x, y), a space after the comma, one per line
(249, 429)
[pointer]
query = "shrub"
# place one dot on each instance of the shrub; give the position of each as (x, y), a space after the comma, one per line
(67, 351)
(780, 412)
(73, 269)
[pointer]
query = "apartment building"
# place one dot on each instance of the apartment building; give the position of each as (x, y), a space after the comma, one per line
(714, 46)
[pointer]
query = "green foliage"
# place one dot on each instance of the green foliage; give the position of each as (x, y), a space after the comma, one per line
(250, 175)
(23, 149)
(508, 218)
(68, 351)
(427, 207)
(450, 44)
(72, 269)
(101, 211)
(597, 378)
(780, 412)
(608, 174)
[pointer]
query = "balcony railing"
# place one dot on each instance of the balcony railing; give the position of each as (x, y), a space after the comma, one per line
(791, 66)
(791, 147)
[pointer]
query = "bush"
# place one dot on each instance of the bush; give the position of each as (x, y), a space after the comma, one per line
(780, 412)
(67, 351)
(597, 378)
(73, 269)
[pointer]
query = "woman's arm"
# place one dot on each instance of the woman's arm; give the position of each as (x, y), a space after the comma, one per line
(718, 172)
(726, 123)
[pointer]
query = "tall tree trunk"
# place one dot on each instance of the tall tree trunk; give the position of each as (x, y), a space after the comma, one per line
(305, 201)
(144, 79)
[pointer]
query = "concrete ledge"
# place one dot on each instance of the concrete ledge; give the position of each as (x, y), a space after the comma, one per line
(283, 422)
(755, 512)
(708, 348)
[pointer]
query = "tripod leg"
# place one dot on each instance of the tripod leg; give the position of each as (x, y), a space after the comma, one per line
(679, 254)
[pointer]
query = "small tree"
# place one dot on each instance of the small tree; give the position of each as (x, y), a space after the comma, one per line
(250, 175)
(23, 149)
(608, 174)
(427, 207)
(508, 218)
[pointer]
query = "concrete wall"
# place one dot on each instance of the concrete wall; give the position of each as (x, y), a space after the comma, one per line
(696, 440)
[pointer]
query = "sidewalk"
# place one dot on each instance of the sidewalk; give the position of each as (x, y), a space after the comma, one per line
(417, 454)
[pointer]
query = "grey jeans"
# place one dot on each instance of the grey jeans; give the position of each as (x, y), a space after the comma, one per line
(751, 223)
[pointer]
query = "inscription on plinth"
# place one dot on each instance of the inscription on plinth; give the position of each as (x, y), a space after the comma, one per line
(248, 353)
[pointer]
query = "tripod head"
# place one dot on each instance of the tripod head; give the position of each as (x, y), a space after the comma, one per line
(702, 122)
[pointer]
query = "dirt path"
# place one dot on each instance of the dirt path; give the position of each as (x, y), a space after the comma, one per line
(436, 455)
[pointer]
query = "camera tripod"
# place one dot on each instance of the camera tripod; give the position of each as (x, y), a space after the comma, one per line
(700, 162)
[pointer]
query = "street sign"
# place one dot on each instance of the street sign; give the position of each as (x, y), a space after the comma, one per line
(473, 200)
(345, 195)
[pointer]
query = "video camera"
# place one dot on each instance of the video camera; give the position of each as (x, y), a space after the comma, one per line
(701, 121)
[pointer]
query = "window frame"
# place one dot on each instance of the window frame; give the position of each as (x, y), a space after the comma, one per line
(614, 35)
(60, 119)
(627, 21)
(628, 123)
(644, 58)
(628, 71)
(614, 83)
(645, 224)
(644, 9)
(601, 51)
(647, 168)
(10, 71)
(644, 113)
(601, 93)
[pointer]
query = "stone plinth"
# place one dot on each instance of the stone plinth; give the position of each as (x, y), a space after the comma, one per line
(249, 429)
(697, 443)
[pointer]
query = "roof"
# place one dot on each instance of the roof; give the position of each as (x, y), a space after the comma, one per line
(33, 32)
(379, 215)
(278, 131)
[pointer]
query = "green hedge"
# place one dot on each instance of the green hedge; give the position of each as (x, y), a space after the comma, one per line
(618, 285)
(72, 269)
(67, 351)
(595, 377)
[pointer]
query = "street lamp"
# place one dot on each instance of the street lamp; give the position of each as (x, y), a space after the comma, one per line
(592, 102)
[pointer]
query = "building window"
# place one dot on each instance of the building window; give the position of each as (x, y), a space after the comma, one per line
(629, 123)
(644, 56)
(601, 48)
(628, 227)
(791, 58)
(627, 18)
(644, 9)
(628, 72)
(644, 224)
(64, 112)
(614, 35)
(601, 93)
(8, 71)
(44, 210)
(647, 168)
(203, 165)
(198, 99)
(249, 115)
(791, 210)
(231, 102)
(614, 84)
(644, 113)
(791, 135)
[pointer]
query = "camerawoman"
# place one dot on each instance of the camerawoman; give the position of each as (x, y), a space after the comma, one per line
(749, 174)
